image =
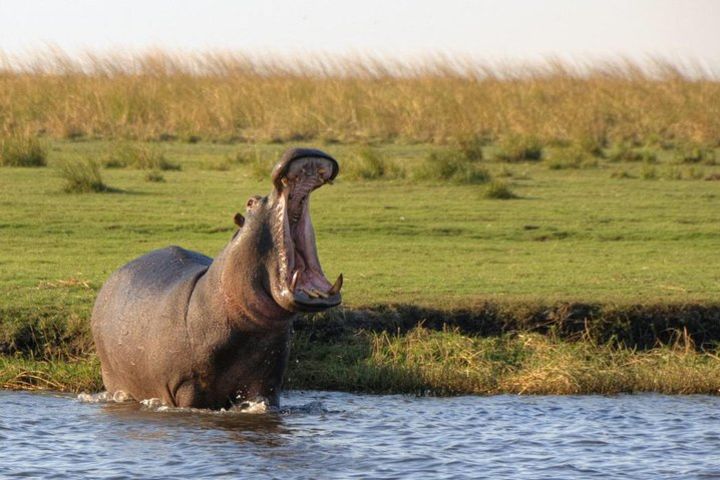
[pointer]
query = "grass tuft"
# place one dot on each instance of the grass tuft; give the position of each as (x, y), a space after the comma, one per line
(499, 191)
(623, 152)
(82, 177)
(139, 156)
(695, 154)
(369, 164)
(519, 148)
(590, 145)
(648, 172)
(622, 173)
(570, 157)
(472, 147)
(22, 151)
(452, 166)
(154, 176)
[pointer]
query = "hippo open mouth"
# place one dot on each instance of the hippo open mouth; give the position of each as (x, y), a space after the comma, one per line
(304, 279)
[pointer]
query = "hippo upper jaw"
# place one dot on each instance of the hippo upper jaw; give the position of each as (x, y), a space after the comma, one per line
(301, 285)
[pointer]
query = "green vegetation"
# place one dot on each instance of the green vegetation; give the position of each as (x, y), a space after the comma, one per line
(445, 362)
(571, 157)
(424, 361)
(623, 152)
(499, 190)
(577, 234)
(369, 164)
(596, 281)
(139, 156)
(22, 151)
(436, 244)
(154, 176)
(695, 154)
(82, 177)
(519, 148)
(451, 165)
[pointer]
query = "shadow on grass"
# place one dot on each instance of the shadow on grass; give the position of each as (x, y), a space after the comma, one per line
(635, 326)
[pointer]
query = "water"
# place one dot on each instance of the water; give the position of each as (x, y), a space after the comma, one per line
(339, 435)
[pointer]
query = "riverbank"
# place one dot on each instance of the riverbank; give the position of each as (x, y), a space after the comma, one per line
(560, 349)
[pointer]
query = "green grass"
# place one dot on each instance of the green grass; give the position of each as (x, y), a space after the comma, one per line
(574, 235)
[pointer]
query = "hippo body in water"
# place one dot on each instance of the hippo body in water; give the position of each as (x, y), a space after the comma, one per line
(197, 332)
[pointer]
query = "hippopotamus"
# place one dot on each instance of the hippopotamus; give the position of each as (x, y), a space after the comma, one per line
(196, 332)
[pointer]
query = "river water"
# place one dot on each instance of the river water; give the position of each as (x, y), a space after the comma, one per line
(341, 435)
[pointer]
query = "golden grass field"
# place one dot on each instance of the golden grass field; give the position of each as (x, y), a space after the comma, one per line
(232, 97)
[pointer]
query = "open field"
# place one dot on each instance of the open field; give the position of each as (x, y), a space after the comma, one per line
(613, 233)
(574, 234)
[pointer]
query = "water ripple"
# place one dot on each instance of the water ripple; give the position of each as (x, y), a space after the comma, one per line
(326, 434)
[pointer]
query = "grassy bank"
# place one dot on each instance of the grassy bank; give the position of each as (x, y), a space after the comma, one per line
(424, 361)
(599, 273)
(228, 97)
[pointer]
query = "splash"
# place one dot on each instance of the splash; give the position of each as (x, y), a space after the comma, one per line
(258, 405)
(104, 397)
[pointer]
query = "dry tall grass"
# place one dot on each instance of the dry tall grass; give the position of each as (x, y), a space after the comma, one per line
(217, 96)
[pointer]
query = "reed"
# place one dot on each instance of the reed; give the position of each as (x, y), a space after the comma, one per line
(232, 97)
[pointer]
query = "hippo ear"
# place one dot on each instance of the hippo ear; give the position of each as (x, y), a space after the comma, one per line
(239, 220)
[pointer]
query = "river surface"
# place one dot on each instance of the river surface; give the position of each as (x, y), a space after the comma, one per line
(341, 435)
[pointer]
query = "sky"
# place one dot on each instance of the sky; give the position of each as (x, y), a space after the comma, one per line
(514, 30)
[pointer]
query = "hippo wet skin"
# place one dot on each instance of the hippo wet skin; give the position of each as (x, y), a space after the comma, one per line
(197, 332)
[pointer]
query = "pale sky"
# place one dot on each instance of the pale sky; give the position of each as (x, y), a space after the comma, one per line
(486, 29)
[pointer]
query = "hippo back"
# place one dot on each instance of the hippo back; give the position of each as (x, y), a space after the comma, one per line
(142, 310)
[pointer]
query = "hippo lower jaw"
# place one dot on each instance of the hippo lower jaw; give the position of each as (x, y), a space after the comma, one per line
(303, 283)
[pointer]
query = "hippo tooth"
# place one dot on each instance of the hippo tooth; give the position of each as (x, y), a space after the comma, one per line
(321, 294)
(294, 281)
(311, 293)
(337, 286)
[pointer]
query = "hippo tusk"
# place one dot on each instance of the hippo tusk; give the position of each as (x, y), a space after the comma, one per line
(311, 293)
(337, 286)
(294, 281)
(321, 294)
